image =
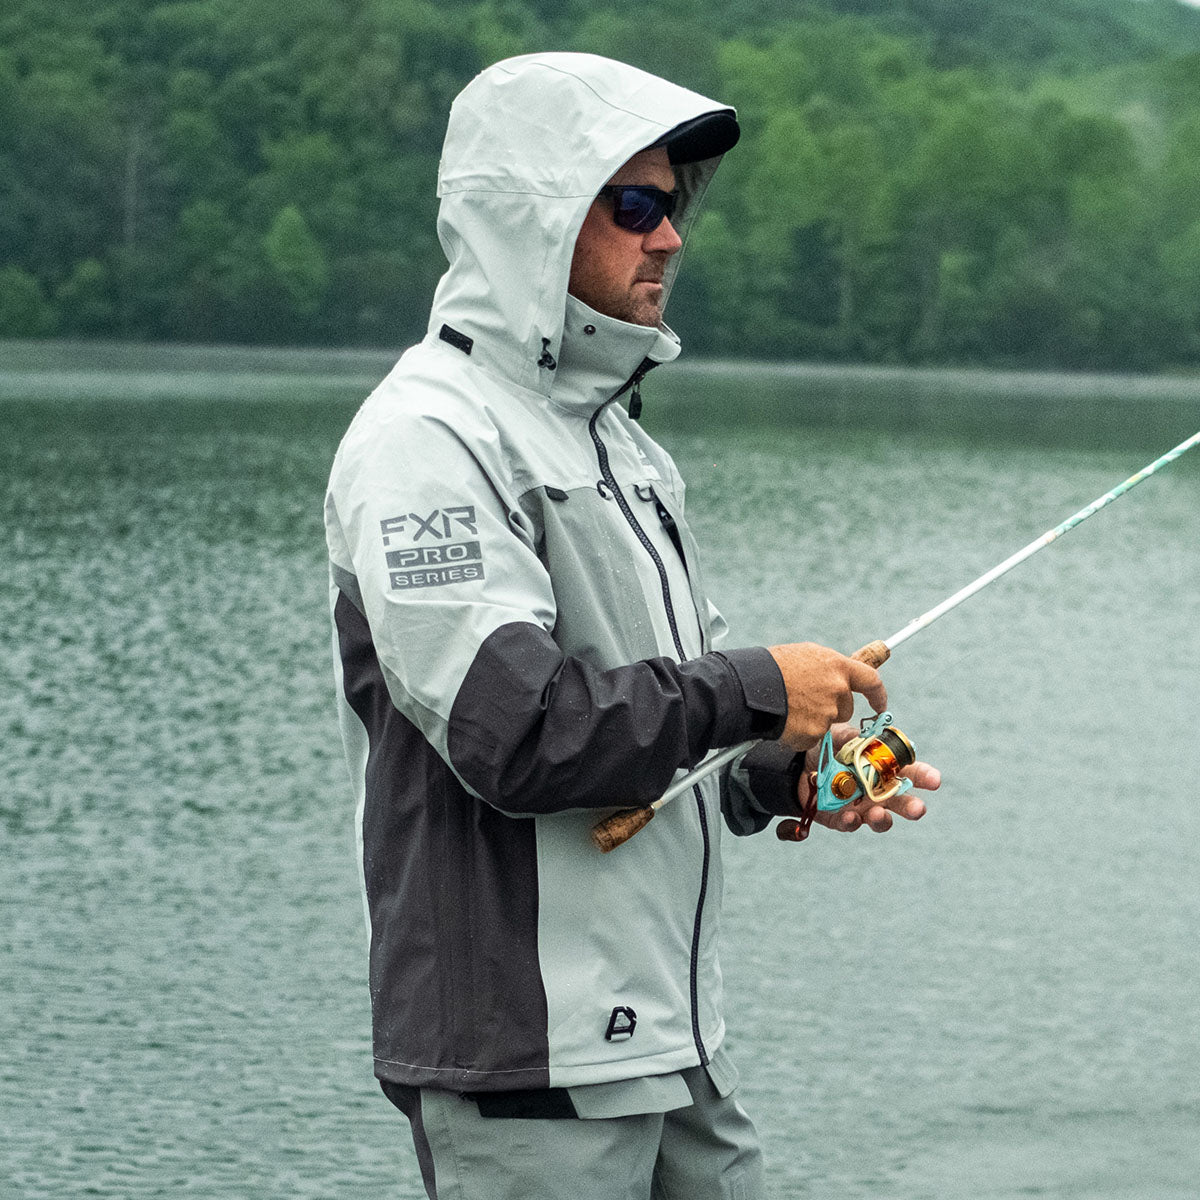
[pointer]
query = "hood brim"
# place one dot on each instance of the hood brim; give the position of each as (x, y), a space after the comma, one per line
(706, 136)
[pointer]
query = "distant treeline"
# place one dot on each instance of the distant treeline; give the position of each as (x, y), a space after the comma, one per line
(912, 185)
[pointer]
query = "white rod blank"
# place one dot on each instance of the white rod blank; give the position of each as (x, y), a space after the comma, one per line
(728, 754)
(1037, 544)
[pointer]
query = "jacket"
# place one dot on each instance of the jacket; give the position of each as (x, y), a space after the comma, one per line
(523, 639)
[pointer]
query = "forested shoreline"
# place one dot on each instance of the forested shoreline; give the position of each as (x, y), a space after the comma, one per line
(912, 186)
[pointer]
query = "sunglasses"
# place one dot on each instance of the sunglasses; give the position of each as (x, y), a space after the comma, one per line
(639, 208)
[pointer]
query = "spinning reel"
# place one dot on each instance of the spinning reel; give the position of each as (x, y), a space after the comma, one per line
(866, 766)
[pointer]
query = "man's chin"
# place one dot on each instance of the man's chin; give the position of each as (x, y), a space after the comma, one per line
(646, 314)
(632, 308)
(640, 315)
(645, 303)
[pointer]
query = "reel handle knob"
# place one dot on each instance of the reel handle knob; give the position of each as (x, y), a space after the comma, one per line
(791, 831)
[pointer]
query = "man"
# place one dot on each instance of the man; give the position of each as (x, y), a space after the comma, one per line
(524, 644)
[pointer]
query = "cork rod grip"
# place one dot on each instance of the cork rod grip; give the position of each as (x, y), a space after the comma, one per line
(614, 831)
(874, 654)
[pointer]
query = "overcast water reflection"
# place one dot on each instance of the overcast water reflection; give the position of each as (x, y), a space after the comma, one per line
(999, 1002)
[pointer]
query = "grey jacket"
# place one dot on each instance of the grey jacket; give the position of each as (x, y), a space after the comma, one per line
(523, 640)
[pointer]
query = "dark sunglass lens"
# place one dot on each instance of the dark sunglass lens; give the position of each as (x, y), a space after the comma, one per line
(638, 210)
(641, 209)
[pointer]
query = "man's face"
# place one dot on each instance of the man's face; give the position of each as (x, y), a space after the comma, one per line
(619, 272)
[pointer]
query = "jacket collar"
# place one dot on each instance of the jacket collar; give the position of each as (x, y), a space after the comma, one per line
(600, 355)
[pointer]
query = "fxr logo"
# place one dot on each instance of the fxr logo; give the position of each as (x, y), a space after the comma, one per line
(438, 524)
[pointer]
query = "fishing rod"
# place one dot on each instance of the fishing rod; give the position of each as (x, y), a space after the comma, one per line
(877, 777)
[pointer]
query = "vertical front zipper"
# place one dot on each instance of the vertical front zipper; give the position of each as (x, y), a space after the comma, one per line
(610, 481)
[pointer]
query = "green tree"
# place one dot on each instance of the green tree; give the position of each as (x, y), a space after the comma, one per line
(904, 189)
(976, 174)
(85, 300)
(296, 261)
(1180, 258)
(24, 310)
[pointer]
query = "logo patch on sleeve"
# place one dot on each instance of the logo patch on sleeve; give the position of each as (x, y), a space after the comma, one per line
(436, 561)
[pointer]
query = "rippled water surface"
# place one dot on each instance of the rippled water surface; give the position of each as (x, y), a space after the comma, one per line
(1000, 1002)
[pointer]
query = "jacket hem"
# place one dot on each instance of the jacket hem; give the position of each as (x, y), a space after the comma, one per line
(461, 1079)
(464, 1079)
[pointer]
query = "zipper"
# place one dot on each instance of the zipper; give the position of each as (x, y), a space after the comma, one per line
(610, 481)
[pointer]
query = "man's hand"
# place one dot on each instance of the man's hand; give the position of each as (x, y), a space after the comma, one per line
(820, 687)
(863, 812)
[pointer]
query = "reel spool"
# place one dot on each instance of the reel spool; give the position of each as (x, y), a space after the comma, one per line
(866, 766)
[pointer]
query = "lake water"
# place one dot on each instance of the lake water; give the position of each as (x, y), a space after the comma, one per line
(999, 1002)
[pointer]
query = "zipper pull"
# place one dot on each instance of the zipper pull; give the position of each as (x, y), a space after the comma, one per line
(635, 398)
(635, 401)
(634, 382)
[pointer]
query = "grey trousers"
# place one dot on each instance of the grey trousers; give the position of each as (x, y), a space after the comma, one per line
(707, 1150)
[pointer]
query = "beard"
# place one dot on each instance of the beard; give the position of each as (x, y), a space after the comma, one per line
(637, 304)
(638, 300)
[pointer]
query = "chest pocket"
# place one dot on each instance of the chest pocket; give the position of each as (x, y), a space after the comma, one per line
(670, 521)
(645, 492)
(658, 516)
(609, 598)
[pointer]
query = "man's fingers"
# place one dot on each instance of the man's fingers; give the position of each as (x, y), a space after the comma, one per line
(907, 806)
(878, 818)
(842, 734)
(923, 776)
(866, 681)
(862, 812)
(844, 820)
(875, 816)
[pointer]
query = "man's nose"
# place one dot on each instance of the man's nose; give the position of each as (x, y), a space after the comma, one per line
(663, 239)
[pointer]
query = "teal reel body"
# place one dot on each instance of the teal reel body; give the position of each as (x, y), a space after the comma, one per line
(868, 765)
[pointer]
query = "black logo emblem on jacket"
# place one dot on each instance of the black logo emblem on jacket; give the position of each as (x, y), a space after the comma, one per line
(621, 1024)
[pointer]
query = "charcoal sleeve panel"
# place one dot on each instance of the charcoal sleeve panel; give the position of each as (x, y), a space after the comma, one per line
(535, 731)
(452, 895)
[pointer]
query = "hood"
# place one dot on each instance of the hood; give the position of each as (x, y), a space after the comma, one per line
(530, 142)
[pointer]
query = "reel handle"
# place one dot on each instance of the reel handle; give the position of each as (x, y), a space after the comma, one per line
(617, 829)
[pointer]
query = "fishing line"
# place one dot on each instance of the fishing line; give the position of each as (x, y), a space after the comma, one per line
(621, 826)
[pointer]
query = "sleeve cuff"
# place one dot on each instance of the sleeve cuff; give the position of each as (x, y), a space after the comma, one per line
(773, 772)
(762, 689)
